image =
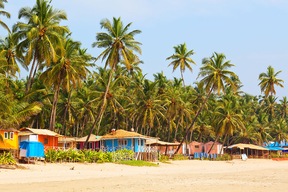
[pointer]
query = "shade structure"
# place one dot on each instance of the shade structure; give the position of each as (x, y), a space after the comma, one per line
(249, 146)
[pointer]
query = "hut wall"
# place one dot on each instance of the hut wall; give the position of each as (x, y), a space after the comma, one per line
(9, 143)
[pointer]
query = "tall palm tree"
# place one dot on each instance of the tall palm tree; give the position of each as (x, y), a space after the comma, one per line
(38, 37)
(269, 80)
(181, 59)
(216, 77)
(69, 70)
(119, 45)
(5, 13)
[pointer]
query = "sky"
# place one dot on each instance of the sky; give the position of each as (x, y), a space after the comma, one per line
(253, 34)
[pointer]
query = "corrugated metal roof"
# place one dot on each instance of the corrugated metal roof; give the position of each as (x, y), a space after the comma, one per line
(93, 138)
(249, 146)
(158, 142)
(26, 131)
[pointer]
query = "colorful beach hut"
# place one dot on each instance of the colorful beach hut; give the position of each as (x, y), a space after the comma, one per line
(217, 148)
(121, 139)
(195, 147)
(48, 138)
(9, 139)
(93, 143)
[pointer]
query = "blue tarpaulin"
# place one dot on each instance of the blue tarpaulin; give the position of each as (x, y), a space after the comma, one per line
(272, 148)
(33, 148)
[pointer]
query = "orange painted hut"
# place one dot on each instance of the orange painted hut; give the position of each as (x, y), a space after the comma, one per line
(48, 138)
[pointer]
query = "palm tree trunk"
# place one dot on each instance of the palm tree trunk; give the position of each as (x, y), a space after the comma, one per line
(54, 108)
(182, 78)
(30, 76)
(193, 121)
(98, 118)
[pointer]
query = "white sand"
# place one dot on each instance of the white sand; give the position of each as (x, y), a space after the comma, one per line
(190, 175)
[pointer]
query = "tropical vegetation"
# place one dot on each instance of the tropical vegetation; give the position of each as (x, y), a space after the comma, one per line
(69, 91)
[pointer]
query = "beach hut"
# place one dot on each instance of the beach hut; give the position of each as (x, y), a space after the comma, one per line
(216, 149)
(121, 139)
(251, 150)
(9, 139)
(162, 147)
(65, 142)
(93, 143)
(195, 147)
(48, 138)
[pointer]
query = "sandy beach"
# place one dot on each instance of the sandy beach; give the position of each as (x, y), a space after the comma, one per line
(190, 175)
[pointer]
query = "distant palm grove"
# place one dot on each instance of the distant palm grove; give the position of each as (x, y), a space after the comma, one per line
(72, 93)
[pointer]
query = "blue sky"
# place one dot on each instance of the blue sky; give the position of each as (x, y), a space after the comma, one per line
(253, 34)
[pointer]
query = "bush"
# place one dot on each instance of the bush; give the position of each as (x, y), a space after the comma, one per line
(122, 155)
(7, 159)
(180, 157)
(224, 157)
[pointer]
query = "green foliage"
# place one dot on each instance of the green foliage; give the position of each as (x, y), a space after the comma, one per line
(163, 158)
(224, 157)
(7, 159)
(180, 157)
(122, 155)
(72, 155)
(138, 163)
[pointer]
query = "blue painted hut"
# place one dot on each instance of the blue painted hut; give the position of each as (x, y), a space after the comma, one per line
(121, 139)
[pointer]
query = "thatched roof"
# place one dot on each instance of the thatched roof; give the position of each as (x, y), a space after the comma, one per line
(93, 138)
(31, 131)
(120, 134)
(249, 146)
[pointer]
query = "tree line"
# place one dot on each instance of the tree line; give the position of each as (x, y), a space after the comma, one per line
(66, 92)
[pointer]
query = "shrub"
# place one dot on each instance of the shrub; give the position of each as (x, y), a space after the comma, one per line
(180, 157)
(122, 155)
(224, 157)
(7, 159)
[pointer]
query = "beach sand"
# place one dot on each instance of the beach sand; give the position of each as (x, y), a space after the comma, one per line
(189, 175)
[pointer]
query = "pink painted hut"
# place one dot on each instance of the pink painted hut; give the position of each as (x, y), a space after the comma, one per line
(216, 149)
(93, 143)
(195, 147)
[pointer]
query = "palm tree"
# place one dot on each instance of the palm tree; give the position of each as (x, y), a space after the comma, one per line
(269, 80)
(8, 57)
(181, 59)
(216, 77)
(5, 13)
(119, 45)
(38, 37)
(68, 71)
(283, 107)
(227, 119)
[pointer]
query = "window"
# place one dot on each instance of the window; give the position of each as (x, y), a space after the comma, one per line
(196, 146)
(45, 141)
(122, 142)
(6, 135)
(11, 135)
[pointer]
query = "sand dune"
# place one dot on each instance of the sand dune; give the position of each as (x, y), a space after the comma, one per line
(190, 175)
